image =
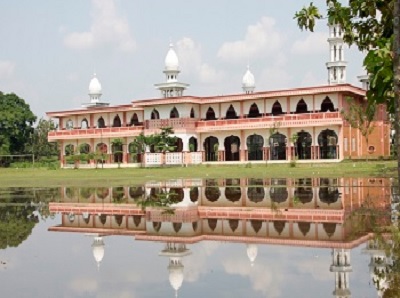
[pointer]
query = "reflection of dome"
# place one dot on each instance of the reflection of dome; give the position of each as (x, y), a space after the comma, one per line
(98, 249)
(171, 60)
(252, 251)
(175, 269)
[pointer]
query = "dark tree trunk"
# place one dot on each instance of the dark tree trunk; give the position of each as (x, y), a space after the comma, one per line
(396, 73)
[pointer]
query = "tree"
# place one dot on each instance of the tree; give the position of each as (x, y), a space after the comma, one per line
(373, 26)
(16, 120)
(38, 144)
(117, 150)
(360, 117)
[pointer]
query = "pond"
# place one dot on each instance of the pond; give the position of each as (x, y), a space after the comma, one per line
(310, 237)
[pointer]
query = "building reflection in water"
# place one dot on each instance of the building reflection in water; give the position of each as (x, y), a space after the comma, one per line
(307, 212)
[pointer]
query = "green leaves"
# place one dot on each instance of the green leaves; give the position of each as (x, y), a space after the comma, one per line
(306, 17)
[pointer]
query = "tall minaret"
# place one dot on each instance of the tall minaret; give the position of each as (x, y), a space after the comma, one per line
(171, 88)
(336, 66)
(341, 267)
(248, 82)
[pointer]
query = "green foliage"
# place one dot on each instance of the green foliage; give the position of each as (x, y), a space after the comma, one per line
(16, 120)
(38, 143)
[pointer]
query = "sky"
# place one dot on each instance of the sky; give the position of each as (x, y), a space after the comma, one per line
(50, 49)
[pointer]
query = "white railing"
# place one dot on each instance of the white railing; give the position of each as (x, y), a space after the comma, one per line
(173, 158)
(196, 157)
(153, 158)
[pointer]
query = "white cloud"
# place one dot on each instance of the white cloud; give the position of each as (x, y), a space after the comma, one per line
(190, 58)
(261, 39)
(6, 69)
(83, 285)
(312, 44)
(107, 27)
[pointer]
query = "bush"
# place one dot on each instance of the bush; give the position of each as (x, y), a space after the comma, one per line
(292, 164)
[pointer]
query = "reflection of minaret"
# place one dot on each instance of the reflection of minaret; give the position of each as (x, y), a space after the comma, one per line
(377, 265)
(98, 249)
(341, 266)
(175, 252)
(252, 251)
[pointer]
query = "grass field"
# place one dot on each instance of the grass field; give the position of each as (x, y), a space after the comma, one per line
(41, 177)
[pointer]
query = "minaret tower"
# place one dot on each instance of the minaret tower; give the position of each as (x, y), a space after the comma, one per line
(336, 66)
(341, 267)
(171, 88)
(98, 249)
(248, 82)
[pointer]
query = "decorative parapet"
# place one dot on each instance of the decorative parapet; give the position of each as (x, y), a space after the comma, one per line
(94, 133)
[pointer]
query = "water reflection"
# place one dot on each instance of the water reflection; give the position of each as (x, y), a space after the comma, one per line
(256, 214)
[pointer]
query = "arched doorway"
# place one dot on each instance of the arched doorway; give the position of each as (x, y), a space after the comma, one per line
(134, 120)
(254, 112)
(277, 144)
(84, 124)
(301, 107)
(101, 123)
(69, 150)
(328, 191)
(101, 151)
(155, 115)
(84, 148)
(178, 146)
(210, 115)
(231, 113)
(327, 105)
(192, 115)
(303, 145)
(174, 113)
(303, 191)
(233, 192)
(232, 148)
(327, 141)
(117, 152)
(255, 145)
(212, 191)
(211, 148)
(276, 109)
(255, 190)
(117, 121)
(193, 144)
(278, 191)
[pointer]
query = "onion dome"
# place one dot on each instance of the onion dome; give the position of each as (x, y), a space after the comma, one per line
(171, 60)
(175, 269)
(248, 82)
(94, 86)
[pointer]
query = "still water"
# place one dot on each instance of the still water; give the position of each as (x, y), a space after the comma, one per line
(214, 238)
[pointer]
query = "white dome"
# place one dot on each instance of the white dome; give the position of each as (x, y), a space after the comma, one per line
(171, 60)
(94, 86)
(248, 79)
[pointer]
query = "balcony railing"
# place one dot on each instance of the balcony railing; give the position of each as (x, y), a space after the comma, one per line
(89, 132)
(174, 123)
(290, 120)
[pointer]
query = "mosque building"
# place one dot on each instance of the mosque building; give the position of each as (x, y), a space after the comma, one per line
(303, 124)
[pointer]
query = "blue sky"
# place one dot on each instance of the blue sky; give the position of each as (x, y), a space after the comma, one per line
(51, 48)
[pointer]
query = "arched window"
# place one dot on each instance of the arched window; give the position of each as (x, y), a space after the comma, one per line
(101, 148)
(303, 190)
(231, 113)
(278, 191)
(327, 141)
(174, 113)
(192, 115)
(232, 148)
(303, 145)
(117, 121)
(69, 124)
(193, 144)
(84, 148)
(101, 123)
(211, 148)
(276, 109)
(254, 111)
(255, 190)
(277, 143)
(69, 149)
(84, 124)
(255, 145)
(233, 192)
(210, 115)
(155, 115)
(327, 105)
(134, 120)
(301, 107)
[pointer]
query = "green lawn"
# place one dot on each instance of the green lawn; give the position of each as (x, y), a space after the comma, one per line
(42, 177)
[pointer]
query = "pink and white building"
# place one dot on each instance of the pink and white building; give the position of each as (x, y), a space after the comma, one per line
(303, 124)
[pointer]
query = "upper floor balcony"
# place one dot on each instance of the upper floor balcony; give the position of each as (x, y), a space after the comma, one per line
(106, 132)
(283, 120)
